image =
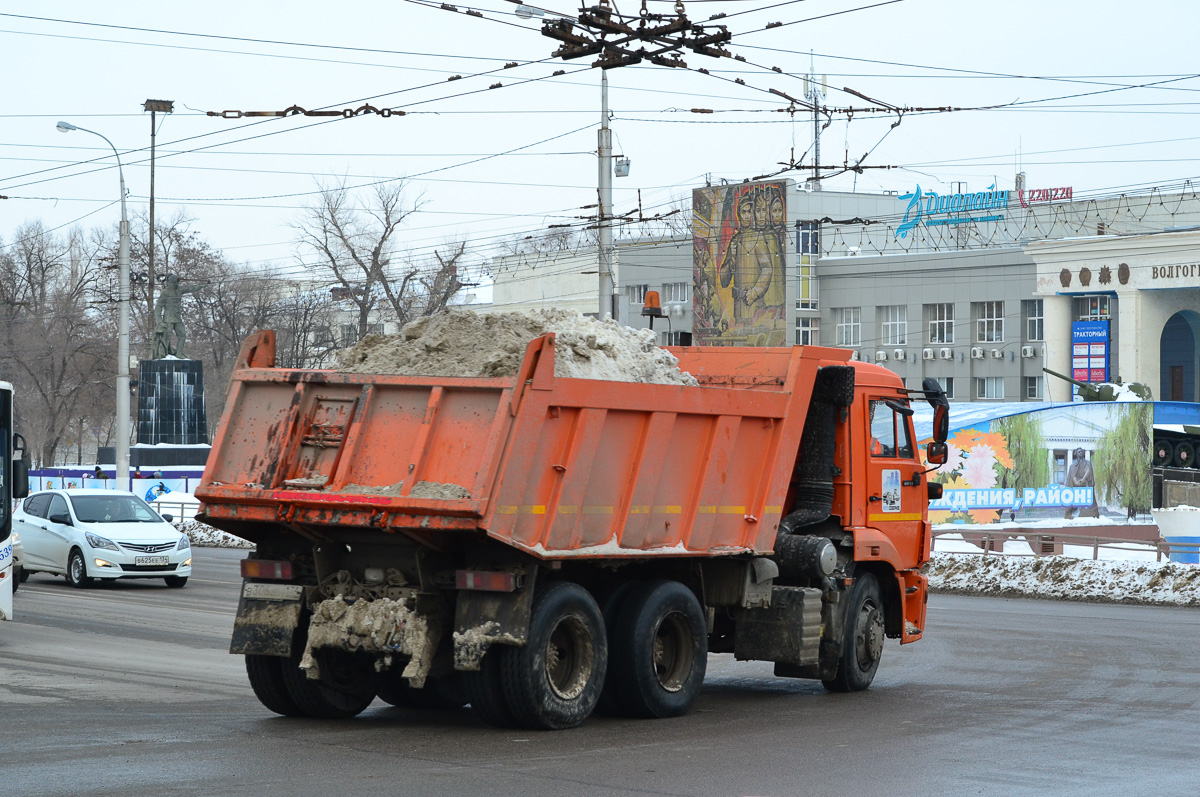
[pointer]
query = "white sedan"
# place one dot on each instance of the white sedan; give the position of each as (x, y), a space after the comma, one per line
(100, 534)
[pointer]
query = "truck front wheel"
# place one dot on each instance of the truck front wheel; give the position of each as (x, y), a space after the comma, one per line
(554, 681)
(660, 651)
(862, 637)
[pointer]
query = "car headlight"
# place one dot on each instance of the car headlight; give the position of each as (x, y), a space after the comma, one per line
(184, 543)
(96, 541)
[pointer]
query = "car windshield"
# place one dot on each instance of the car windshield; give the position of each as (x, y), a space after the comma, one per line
(113, 509)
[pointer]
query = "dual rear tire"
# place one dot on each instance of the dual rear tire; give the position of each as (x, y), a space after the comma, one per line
(346, 685)
(643, 655)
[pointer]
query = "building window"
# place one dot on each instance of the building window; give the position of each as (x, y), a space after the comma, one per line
(806, 289)
(989, 322)
(1060, 467)
(1033, 387)
(893, 324)
(1034, 328)
(989, 387)
(349, 334)
(848, 322)
(808, 332)
(807, 238)
(676, 291)
(940, 318)
(1092, 308)
(947, 383)
(636, 293)
(672, 338)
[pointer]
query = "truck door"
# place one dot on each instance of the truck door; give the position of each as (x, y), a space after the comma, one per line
(895, 491)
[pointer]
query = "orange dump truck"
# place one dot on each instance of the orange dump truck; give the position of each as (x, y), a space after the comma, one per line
(541, 547)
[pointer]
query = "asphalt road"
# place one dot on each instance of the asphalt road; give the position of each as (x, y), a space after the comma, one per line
(127, 689)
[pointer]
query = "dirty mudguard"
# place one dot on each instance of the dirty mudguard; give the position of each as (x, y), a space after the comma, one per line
(483, 619)
(267, 616)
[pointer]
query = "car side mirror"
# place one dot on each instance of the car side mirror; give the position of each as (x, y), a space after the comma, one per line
(168, 517)
(61, 519)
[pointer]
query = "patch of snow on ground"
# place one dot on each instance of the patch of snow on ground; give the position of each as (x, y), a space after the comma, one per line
(1064, 578)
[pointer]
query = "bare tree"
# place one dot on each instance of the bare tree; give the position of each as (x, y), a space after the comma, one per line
(304, 322)
(355, 241)
(57, 347)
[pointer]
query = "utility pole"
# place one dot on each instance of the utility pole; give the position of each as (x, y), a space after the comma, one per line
(153, 106)
(589, 35)
(608, 299)
(814, 92)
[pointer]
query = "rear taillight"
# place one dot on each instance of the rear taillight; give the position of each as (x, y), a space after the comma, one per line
(486, 580)
(264, 568)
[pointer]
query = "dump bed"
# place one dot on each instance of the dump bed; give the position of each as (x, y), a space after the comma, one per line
(557, 467)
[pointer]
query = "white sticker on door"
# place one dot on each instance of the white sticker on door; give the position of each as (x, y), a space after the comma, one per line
(891, 491)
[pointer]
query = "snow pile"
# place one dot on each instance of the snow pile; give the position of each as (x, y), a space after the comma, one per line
(205, 536)
(469, 344)
(1064, 578)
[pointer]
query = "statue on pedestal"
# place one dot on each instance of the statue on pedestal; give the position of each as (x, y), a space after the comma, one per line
(168, 320)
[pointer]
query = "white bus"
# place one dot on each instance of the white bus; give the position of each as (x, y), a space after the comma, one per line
(14, 483)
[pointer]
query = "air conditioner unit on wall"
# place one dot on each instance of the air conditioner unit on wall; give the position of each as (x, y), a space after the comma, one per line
(899, 356)
(1027, 351)
(926, 354)
(881, 356)
(946, 354)
(976, 352)
(997, 354)
(854, 356)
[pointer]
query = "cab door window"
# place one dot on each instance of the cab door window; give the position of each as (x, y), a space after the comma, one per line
(889, 432)
(58, 506)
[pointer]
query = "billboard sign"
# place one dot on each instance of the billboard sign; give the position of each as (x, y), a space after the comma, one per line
(1089, 351)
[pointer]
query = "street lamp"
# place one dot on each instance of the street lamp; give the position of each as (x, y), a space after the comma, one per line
(122, 321)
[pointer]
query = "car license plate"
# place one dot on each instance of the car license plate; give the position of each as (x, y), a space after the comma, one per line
(149, 560)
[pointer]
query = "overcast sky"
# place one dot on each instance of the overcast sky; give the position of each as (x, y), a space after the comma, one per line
(492, 163)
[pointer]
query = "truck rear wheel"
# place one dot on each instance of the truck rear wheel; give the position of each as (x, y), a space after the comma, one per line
(660, 651)
(554, 681)
(862, 637)
(345, 688)
(266, 679)
(438, 693)
(485, 690)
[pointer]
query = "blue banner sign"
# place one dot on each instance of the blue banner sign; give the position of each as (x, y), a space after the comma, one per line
(1089, 351)
(961, 208)
(1028, 498)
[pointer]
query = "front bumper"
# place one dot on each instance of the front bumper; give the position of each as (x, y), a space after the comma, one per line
(104, 563)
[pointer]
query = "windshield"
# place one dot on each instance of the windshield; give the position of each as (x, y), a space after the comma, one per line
(113, 509)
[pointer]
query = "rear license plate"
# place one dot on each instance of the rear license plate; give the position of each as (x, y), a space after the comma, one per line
(149, 560)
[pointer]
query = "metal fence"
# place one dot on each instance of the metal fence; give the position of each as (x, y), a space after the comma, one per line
(1052, 544)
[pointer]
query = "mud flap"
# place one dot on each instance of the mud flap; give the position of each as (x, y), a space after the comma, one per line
(787, 632)
(267, 616)
(914, 597)
(483, 619)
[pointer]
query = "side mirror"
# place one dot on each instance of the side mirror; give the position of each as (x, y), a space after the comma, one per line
(168, 517)
(936, 453)
(20, 478)
(61, 519)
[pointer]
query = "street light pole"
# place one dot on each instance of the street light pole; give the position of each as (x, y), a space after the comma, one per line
(122, 433)
(153, 106)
